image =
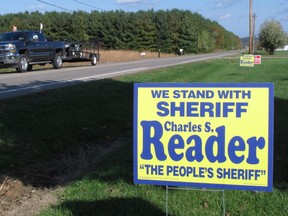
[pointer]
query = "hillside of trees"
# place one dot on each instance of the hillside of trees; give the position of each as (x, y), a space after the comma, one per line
(151, 30)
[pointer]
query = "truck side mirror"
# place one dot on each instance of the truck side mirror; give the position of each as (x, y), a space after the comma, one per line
(35, 38)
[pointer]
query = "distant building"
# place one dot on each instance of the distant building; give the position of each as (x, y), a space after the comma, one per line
(285, 48)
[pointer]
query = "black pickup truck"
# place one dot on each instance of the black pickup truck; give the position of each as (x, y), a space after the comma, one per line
(23, 49)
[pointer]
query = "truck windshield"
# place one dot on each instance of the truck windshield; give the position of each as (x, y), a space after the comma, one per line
(10, 36)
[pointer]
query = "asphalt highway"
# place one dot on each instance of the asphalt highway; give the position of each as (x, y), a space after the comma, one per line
(17, 84)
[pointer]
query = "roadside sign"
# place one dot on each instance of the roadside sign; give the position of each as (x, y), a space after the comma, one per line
(206, 135)
(247, 61)
(257, 59)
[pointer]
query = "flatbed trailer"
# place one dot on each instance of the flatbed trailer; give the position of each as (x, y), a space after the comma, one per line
(81, 52)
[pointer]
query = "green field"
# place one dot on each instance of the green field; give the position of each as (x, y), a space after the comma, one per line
(42, 135)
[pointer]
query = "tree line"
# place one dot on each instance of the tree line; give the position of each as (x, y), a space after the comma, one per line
(168, 30)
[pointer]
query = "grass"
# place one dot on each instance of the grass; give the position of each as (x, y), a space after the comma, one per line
(43, 127)
(38, 130)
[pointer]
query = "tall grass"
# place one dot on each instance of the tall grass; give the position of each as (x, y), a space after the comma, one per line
(127, 55)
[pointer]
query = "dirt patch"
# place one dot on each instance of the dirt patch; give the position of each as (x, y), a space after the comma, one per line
(19, 198)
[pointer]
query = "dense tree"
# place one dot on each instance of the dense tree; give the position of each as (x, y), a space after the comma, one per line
(94, 25)
(79, 26)
(57, 26)
(205, 42)
(150, 30)
(144, 31)
(272, 36)
(163, 39)
(187, 33)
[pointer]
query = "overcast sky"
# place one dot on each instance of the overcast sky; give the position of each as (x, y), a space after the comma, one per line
(233, 15)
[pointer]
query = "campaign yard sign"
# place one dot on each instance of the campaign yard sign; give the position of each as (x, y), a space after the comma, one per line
(247, 61)
(215, 135)
(257, 59)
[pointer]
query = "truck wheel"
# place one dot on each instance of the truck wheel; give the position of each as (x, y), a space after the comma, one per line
(23, 64)
(93, 60)
(57, 61)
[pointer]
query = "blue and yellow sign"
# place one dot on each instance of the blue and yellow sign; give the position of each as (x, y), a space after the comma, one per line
(247, 61)
(214, 135)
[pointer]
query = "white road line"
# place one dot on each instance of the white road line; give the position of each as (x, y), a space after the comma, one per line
(110, 74)
(199, 59)
(74, 80)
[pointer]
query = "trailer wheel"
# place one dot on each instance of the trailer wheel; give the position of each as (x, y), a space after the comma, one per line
(57, 61)
(23, 64)
(93, 60)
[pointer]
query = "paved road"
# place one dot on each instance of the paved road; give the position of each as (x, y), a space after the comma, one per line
(15, 84)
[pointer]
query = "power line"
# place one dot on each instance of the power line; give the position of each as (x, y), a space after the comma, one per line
(89, 5)
(62, 8)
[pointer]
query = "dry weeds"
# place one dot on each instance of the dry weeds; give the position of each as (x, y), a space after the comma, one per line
(19, 199)
(123, 55)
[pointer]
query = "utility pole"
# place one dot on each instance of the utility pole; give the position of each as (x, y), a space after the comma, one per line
(250, 29)
(254, 24)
